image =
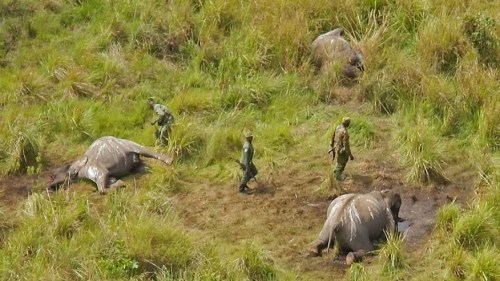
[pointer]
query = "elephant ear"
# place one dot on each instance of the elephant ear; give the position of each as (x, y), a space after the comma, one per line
(77, 166)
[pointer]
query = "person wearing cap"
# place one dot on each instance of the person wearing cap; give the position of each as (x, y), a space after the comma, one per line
(246, 162)
(339, 145)
(165, 120)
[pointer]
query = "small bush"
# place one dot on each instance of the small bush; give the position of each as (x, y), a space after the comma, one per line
(480, 30)
(391, 254)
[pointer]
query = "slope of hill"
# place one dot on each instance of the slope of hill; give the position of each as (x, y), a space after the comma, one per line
(425, 113)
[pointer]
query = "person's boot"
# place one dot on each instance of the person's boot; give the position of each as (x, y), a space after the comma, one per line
(242, 187)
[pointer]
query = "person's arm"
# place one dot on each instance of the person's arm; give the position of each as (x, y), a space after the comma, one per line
(332, 142)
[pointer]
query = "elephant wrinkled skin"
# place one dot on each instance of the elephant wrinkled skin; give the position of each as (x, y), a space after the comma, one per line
(331, 47)
(107, 159)
(356, 220)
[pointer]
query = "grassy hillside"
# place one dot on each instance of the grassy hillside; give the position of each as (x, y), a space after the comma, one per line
(425, 117)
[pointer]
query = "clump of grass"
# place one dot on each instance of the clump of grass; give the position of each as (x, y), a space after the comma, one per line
(223, 144)
(441, 44)
(447, 215)
(330, 186)
(394, 83)
(185, 139)
(115, 263)
(480, 30)
(256, 263)
(455, 258)
(421, 149)
(361, 132)
(483, 265)
(475, 228)
(328, 79)
(391, 254)
(23, 152)
(194, 101)
(357, 272)
(155, 243)
(275, 136)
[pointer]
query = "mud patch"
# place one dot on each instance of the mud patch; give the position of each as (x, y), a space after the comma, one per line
(13, 189)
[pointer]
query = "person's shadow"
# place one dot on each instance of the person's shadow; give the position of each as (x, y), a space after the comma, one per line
(261, 189)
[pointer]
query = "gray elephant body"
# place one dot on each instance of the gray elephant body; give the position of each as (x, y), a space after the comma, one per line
(107, 159)
(356, 220)
(331, 47)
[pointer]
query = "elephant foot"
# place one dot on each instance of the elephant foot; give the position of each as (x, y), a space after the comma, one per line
(118, 183)
(349, 259)
(352, 258)
(314, 251)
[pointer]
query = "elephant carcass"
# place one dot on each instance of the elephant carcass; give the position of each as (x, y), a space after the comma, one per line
(331, 48)
(356, 220)
(106, 160)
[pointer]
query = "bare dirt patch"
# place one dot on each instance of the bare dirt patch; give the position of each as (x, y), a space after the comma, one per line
(285, 212)
(15, 188)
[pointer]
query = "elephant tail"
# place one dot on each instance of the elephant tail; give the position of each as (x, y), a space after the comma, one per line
(335, 216)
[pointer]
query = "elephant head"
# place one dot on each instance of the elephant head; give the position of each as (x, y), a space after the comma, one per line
(393, 201)
(67, 173)
(332, 47)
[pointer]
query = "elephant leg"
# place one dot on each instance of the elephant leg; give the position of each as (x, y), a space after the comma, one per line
(353, 257)
(102, 183)
(317, 248)
(360, 247)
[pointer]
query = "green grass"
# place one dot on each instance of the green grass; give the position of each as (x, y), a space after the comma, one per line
(391, 254)
(357, 272)
(73, 71)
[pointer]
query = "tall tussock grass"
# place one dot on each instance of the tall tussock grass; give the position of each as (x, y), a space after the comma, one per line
(421, 150)
(22, 150)
(472, 251)
(392, 255)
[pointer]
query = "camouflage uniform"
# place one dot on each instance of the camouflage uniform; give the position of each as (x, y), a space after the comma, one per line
(250, 170)
(165, 121)
(339, 145)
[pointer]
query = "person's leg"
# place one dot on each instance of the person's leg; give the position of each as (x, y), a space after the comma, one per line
(244, 180)
(164, 135)
(341, 163)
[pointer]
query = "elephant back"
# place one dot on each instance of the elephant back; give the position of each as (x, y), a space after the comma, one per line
(365, 212)
(330, 48)
(111, 151)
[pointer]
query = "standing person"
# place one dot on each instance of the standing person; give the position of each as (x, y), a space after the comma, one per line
(246, 163)
(339, 145)
(165, 120)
